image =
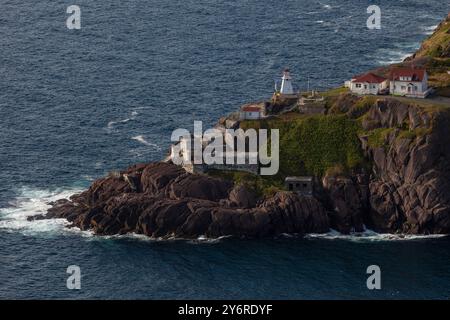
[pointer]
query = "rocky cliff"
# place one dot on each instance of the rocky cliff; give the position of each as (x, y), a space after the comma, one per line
(409, 149)
(404, 189)
(382, 162)
(410, 190)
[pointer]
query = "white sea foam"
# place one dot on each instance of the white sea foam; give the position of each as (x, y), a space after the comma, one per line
(142, 140)
(429, 30)
(112, 124)
(370, 236)
(390, 56)
(311, 12)
(142, 237)
(30, 202)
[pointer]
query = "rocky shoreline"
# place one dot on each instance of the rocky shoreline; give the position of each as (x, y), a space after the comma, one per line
(162, 200)
(405, 193)
(405, 189)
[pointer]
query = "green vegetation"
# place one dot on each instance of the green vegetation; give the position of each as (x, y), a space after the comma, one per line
(377, 138)
(438, 44)
(310, 145)
(263, 186)
(334, 92)
(437, 50)
(412, 134)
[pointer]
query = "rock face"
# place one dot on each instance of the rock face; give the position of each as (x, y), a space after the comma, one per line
(162, 200)
(348, 202)
(409, 187)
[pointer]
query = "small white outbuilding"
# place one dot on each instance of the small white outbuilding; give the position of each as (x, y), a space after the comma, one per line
(250, 112)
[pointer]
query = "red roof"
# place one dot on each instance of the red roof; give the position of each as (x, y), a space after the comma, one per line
(413, 73)
(250, 109)
(369, 78)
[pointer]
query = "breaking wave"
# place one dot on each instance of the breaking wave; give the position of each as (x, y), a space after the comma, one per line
(30, 202)
(390, 56)
(429, 30)
(325, 6)
(142, 140)
(370, 236)
(112, 124)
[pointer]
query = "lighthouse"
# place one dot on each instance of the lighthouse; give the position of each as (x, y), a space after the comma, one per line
(286, 83)
(284, 93)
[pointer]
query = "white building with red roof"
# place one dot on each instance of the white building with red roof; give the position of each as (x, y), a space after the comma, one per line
(409, 82)
(368, 83)
(251, 112)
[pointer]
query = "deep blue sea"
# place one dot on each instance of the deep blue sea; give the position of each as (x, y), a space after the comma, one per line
(76, 104)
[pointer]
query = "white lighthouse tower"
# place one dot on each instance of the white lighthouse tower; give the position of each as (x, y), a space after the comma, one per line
(286, 83)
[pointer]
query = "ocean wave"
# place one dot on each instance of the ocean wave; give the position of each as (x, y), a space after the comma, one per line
(30, 202)
(112, 124)
(326, 6)
(143, 237)
(390, 56)
(142, 140)
(311, 12)
(370, 236)
(429, 30)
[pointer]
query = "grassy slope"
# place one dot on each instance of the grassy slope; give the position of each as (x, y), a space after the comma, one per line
(437, 49)
(437, 45)
(310, 145)
(434, 54)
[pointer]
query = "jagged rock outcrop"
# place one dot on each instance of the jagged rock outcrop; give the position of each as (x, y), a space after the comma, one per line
(165, 201)
(348, 201)
(409, 190)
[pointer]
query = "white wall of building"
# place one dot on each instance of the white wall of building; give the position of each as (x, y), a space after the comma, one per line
(403, 87)
(408, 88)
(286, 85)
(367, 88)
(250, 115)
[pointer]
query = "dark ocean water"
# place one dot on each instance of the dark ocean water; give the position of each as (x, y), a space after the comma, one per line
(75, 105)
